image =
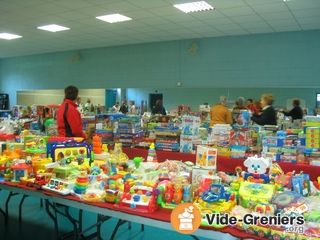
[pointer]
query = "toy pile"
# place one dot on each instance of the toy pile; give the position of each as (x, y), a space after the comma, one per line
(259, 187)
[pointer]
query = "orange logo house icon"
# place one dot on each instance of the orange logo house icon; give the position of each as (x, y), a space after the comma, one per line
(185, 218)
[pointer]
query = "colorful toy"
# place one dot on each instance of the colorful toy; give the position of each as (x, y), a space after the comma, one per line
(94, 195)
(69, 150)
(81, 183)
(252, 194)
(42, 179)
(301, 184)
(97, 146)
(206, 157)
(138, 198)
(20, 169)
(60, 186)
(256, 170)
(216, 199)
(285, 200)
(279, 232)
(152, 155)
(113, 185)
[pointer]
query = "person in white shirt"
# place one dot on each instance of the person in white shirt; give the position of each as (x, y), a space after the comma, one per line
(132, 107)
(116, 107)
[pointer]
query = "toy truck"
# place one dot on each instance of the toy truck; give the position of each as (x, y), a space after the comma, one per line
(42, 179)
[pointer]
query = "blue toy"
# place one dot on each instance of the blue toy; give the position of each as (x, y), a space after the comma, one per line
(215, 193)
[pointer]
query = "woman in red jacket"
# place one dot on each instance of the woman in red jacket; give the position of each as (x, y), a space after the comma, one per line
(68, 117)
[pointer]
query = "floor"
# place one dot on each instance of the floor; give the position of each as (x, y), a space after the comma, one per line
(37, 225)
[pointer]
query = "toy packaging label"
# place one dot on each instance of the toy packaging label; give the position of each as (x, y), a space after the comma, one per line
(206, 157)
(186, 143)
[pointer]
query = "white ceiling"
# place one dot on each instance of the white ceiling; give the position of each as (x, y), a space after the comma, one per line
(153, 21)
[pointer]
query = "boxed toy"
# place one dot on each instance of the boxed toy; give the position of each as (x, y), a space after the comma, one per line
(251, 194)
(301, 184)
(206, 157)
(186, 143)
(190, 125)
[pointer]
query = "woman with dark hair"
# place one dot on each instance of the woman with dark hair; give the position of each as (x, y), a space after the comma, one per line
(296, 111)
(158, 108)
(68, 117)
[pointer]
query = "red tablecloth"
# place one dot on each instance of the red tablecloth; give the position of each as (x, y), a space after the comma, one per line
(224, 164)
(161, 214)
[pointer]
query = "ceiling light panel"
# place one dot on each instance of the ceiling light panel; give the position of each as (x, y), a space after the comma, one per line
(112, 18)
(53, 28)
(194, 7)
(9, 36)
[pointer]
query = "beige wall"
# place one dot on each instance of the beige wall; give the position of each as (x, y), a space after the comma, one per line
(47, 97)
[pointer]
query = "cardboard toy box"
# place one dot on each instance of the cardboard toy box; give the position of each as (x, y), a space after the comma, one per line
(206, 157)
(190, 125)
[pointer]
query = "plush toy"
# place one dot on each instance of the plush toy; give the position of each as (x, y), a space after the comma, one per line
(257, 167)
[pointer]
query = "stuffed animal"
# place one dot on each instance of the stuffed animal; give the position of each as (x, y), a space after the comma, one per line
(257, 167)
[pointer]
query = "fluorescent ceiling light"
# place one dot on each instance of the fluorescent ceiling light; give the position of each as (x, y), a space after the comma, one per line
(9, 36)
(53, 28)
(194, 7)
(112, 18)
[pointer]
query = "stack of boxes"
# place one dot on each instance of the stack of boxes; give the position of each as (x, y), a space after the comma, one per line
(128, 131)
(190, 131)
(167, 138)
(312, 137)
(106, 125)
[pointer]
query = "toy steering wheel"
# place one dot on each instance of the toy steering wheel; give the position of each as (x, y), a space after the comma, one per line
(210, 197)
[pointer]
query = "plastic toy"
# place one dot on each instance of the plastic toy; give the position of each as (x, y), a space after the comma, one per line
(97, 146)
(20, 169)
(81, 183)
(164, 174)
(259, 230)
(69, 150)
(60, 186)
(257, 168)
(113, 185)
(138, 198)
(279, 232)
(41, 179)
(94, 195)
(216, 199)
(286, 199)
(251, 194)
(152, 155)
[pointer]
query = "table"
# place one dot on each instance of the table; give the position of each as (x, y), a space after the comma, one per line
(225, 164)
(159, 219)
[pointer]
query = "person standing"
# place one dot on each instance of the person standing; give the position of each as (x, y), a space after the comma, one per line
(132, 108)
(116, 107)
(124, 107)
(159, 108)
(68, 117)
(79, 105)
(268, 115)
(237, 109)
(296, 112)
(251, 106)
(219, 113)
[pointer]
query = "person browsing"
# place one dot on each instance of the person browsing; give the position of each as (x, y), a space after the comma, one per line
(220, 114)
(68, 117)
(268, 115)
(158, 108)
(296, 112)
